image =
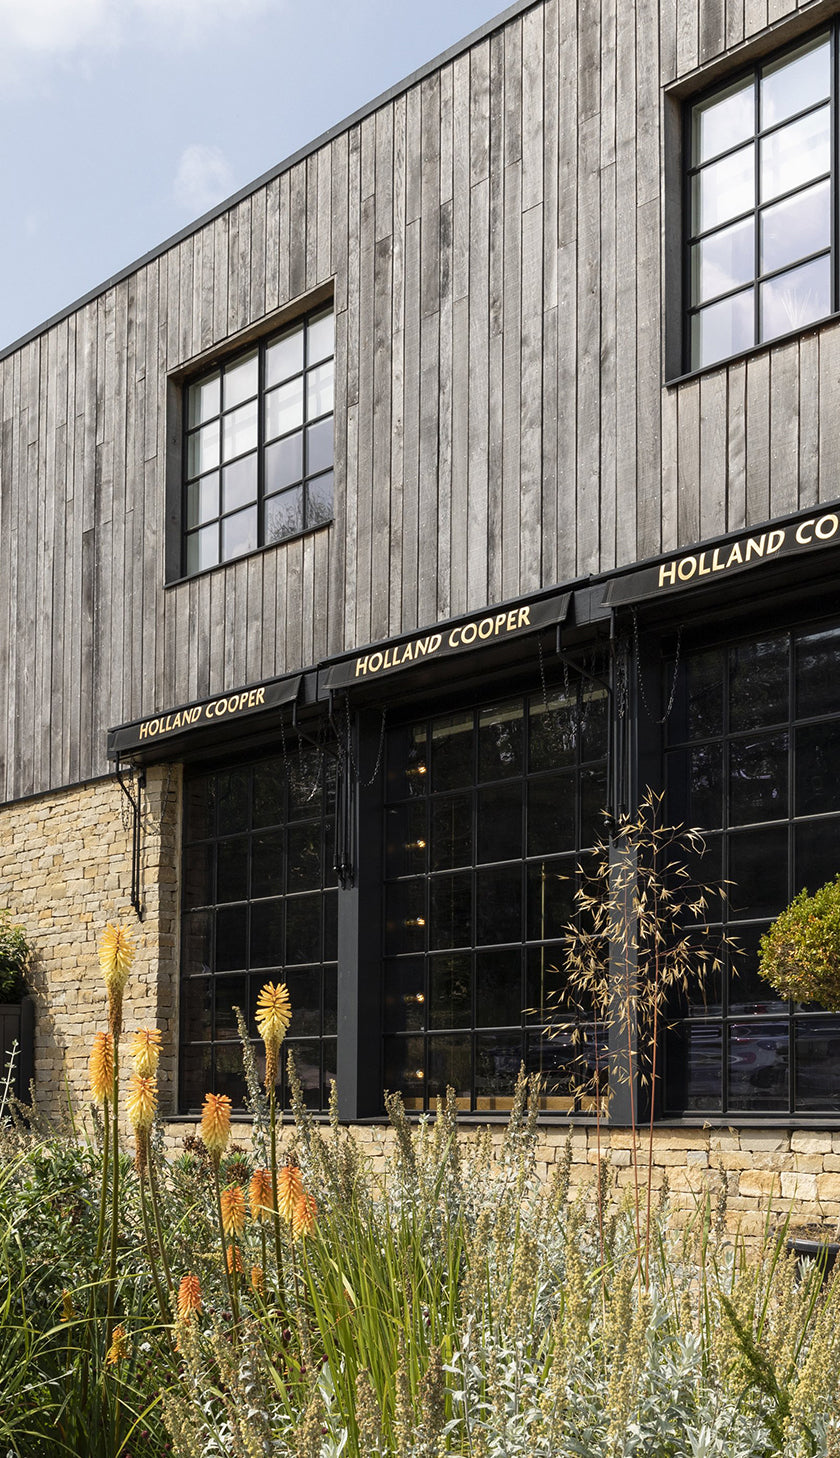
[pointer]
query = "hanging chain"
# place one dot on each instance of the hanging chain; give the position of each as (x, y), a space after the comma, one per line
(320, 750)
(351, 758)
(664, 718)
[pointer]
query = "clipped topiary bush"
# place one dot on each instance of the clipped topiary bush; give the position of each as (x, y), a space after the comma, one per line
(14, 958)
(800, 955)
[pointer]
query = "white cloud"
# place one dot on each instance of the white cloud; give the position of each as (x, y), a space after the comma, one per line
(60, 26)
(204, 178)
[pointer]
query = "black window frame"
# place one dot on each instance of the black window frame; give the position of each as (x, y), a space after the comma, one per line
(830, 28)
(222, 364)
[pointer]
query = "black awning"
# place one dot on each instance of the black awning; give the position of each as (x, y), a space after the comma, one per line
(167, 734)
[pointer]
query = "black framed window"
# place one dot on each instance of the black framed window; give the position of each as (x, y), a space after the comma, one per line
(258, 445)
(486, 811)
(259, 904)
(753, 744)
(760, 203)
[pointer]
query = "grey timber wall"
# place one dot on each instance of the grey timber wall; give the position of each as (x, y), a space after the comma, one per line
(495, 235)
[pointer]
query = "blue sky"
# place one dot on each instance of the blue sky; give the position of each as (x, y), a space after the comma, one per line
(122, 120)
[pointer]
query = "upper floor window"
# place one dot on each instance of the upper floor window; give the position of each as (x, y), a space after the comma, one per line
(258, 450)
(760, 204)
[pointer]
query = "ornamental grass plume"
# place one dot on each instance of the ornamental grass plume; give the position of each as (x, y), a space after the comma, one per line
(189, 1297)
(101, 1067)
(215, 1124)
(274, 1013)
(232, 1200)
(145, 1050)
(116, 954)
(289, 1190)
(260, 1195)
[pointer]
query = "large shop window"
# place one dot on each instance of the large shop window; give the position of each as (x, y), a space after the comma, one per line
(487, 810)
(258, 449)
(259, 905)
(753, 748)
(761, 204)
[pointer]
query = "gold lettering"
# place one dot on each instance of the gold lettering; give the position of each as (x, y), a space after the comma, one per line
(511, 621)
(803, 540)
(703, 570)
(755, 546)
(667, 574)
(499, 621)
(832, 524)
(689, 564)
(717, 565)
(524, 618)
(144, 729)
(468, 633)
(774, 541)
(735, 555)
(453, 637)
(485, 628)
(375, 662)
(434, 642)
(261, 696)
(361, 666)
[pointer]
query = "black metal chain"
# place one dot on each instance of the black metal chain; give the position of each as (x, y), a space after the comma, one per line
(639, 679)
(351, 758)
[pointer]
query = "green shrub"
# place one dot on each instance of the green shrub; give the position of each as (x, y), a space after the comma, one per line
(800, 955)
(14, 958)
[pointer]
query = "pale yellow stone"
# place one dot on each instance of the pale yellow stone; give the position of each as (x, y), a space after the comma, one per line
(759, 1183)
(809, 1143)
(828, 1187)
(765, 1141)
(799, 1186)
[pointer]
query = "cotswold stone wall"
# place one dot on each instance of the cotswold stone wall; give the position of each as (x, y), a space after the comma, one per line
(65, 870)
(785, 1172)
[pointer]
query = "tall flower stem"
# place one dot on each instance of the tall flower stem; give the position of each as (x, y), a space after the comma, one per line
(165, 1314)
(103, 1194)
(115, 1198)
(272, 1104)
(153, 1191)
(222, 1234)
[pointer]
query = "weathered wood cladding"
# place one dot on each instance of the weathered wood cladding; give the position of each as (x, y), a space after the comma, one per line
(494, 234)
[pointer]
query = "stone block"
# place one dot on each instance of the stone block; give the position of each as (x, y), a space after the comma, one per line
(799, 1186)
(758, 1184)
(765, 1141)
(828, 1187)
(810, 1143)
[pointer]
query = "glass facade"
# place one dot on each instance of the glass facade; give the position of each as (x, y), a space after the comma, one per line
(259, 904)
(487, 811)
(761, 205)
(258, 462)
(751, 757)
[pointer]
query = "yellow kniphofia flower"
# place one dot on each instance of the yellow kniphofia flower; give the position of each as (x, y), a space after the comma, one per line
(303, 1215)
(145, 1050)
(274, 1013)
(116, 954)
(258, 1280)
(215, 1123)
(232, 1200)
(101, 1067)
(189, 1297)
(141, 1102)
(289, 1190)
(260, 1195)
(118, 1350)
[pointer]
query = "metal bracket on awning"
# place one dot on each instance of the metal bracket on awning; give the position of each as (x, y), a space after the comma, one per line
(134, 802)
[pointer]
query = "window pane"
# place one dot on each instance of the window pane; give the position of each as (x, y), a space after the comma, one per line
(758, 674)
(450, 910)
(794, 299)
(304, 987)
(450, 1066)
(723, 329)
(319, 447)
(497, 1060)
(321, 337)
(230, 994)
(233, 789)
(204, 400)
(232, 869)
(798, 80)
(267, 920)
(698, 701)
(551, 814)
(284, 357)
(723, 261)
(593, 723)
(758, 872)
(551, 887)
(796, 227)
(499, 822)
(553, 730)
(404, 1069)
(758, 1066)
(319, 390)
(795, 154)
(203, 499)
(500, 742)
(695, 786)
(239, 533)
(303, 856)
(284, 409)
(723, 190)
(203, 450)
(725, 119)
(748, 992)
(406, 839)
(240, 381)
(450, 991)
(498, 909)
(693, 1078)
(203, 549)
(303, 929)
(283, 463)
(817, 853)
(283, 515)
(231, 930)
(240, 430)
(818, 1063)
(267, 862)
(498, 988)
(452, 832)
(758, 779)
(817, 671)
(239, 483)
(197, 1005)
(452, 752)
(817, 760)
(319, 500)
